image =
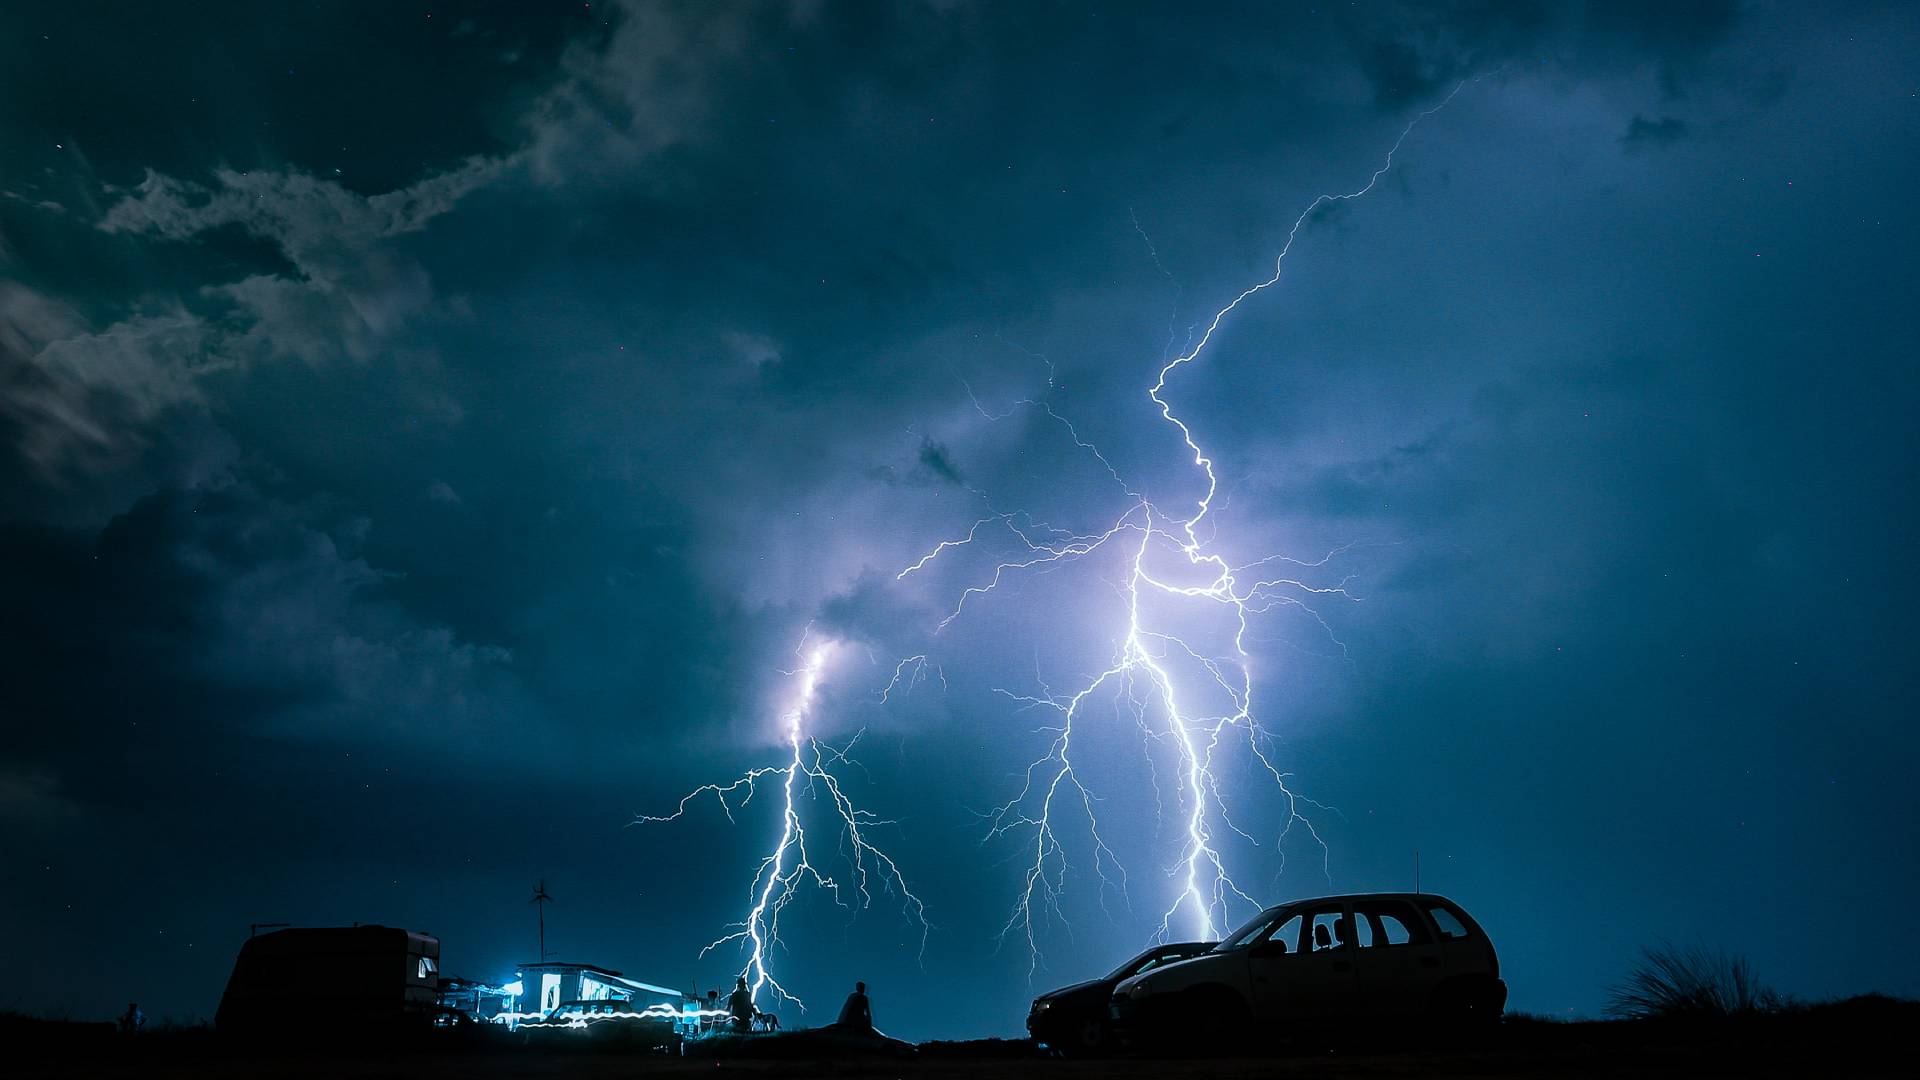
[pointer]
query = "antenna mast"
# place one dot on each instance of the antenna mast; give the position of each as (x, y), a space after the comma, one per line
(540, 901)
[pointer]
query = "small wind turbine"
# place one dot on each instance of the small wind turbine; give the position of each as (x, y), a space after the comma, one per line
(541, 900)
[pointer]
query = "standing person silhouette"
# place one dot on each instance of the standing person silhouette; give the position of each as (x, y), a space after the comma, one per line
(857, 1014)
(740, 1004)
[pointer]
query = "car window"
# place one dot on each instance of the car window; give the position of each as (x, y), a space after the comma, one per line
(1150, 963)
(1287, 934)
(1160, 960)
(1330, 930)
(1248, 933)
(1393, 931)
(1450, 926)
(1144, 962)
(1362, 930)
(1387, 922)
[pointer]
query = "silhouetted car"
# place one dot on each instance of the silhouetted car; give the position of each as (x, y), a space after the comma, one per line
(1073, 1019)
(1378, 961)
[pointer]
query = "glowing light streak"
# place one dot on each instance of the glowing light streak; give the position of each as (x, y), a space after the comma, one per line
(579, 1021)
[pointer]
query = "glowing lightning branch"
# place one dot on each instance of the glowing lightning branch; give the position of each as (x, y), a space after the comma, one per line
(789, 865)
(1181, 697)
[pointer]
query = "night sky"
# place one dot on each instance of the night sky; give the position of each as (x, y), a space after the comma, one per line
(429, 430)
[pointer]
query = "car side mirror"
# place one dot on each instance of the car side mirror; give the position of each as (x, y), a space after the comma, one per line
(1269, 949)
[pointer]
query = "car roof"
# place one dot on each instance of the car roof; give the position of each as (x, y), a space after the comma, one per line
(1416, 898)
(1167, 946)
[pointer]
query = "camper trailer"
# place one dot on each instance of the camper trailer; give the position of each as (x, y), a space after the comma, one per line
(359, 978)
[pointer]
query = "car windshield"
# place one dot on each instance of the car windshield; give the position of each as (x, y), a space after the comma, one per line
(1253, 928)
(1134, 965)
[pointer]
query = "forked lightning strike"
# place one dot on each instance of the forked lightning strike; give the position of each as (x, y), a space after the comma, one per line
(789, 865)
(1199, 704)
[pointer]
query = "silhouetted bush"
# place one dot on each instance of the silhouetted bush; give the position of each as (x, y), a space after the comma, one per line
(1671, 982)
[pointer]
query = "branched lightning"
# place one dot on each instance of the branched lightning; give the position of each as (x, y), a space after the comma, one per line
(1196, 703)
(790, 864)
(909, 673)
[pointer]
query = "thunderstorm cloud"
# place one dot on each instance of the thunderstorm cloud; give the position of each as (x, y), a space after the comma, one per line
(412, 471)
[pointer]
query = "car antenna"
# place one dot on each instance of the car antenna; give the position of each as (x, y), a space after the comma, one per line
(541, 900)
(1416, 871)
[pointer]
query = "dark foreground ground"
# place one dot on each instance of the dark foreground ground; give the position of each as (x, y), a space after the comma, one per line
(1870, 1036)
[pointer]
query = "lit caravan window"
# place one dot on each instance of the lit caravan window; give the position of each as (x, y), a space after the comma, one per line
(1449, 926)
(426, 967)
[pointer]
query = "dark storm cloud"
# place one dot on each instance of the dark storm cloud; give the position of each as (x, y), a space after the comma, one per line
(33, 797)
(513, 457)
(223, 611)
(216, 85)
(96, 418)
(1412, 52)
(94, 405)
(938, 461)
(1643, 133)
(932, 464)
(80, 396)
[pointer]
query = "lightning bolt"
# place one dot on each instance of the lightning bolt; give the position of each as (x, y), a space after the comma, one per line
(910, 673)
(1196, 703)
(789, 865)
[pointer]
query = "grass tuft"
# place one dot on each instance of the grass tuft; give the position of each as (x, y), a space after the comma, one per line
(1690, 982)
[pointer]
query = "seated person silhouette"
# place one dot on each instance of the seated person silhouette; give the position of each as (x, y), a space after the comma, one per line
(856, 1016)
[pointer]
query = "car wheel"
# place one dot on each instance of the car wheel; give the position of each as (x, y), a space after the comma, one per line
(1220, 1020)
(1089, 1037)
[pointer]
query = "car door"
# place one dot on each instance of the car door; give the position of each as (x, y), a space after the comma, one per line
(1304, 970)
(1464, 947)
(1397, 962)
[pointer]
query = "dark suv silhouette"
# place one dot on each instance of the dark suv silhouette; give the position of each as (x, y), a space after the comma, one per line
(1375, 959)
(1072, 1020)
